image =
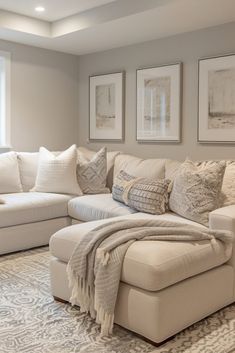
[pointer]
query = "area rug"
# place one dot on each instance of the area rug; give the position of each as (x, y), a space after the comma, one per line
(32, 322)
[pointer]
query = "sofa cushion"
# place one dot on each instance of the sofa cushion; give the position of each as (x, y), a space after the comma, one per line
(9, 173)
(146, 168)
(94, 207)
(29, 207)
(151, 265)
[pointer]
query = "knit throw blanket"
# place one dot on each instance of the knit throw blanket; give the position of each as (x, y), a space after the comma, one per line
(94, 269)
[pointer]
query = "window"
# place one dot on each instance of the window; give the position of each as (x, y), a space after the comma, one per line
(4, 99)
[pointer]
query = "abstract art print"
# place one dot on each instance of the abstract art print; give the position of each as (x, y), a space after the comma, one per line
(106, 107)
(216, 118)
(159, 103)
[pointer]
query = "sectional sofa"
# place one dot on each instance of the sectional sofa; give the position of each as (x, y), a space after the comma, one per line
(165, 286)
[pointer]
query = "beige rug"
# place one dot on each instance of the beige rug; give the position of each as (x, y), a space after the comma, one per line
(32, 322)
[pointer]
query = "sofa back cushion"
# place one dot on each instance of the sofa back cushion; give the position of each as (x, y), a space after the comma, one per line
(28, 166)
(137, 167)
(9, 174)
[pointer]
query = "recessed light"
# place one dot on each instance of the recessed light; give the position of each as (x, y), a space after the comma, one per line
(39, 8)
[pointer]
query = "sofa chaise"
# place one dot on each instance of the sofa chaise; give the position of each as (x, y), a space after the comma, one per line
(165, 286)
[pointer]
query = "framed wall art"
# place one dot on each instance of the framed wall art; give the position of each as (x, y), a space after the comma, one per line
(216, 99)
(106, 107)
(159, 103)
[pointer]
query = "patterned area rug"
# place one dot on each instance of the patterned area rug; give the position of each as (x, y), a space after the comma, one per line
(32, 322)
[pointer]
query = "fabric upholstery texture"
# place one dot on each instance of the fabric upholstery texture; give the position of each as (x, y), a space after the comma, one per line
(149, 265)
(142, 194)
(28, 166)
(228, 186)
(9, 173)
(57, 173)
(29, 207)
(111, 156)
(146, 168)
(92, 173)
(197, 191)
(94, 207)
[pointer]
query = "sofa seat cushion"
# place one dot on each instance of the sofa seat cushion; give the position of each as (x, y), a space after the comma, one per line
(150, 265)
(29, 207)
(94, 207)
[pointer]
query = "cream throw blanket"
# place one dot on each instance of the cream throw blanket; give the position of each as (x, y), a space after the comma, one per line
(94, 269)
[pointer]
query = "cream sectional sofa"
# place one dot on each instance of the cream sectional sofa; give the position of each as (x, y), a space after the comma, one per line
(165, 286)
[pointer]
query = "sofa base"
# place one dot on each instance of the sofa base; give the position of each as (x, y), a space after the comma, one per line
(160, 315)
(31, 235)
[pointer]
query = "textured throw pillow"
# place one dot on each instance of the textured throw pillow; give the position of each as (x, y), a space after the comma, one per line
(9, 173)
(57, 173)
(111, 156)
(228, 186)
(196, 191)
(142, 194)
(92, 173)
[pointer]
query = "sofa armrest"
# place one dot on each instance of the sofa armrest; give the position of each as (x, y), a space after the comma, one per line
(224, 218)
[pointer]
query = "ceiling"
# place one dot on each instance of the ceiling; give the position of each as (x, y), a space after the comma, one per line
(87, 26)
(54, 9)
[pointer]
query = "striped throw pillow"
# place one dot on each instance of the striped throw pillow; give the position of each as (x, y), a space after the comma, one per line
(142, 194)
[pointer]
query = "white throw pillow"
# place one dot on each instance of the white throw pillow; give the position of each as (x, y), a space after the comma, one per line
(9, 173)
(57, 173)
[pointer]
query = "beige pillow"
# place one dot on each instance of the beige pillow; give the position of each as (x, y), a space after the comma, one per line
(228, 186)
(92, 173)
(142, 194)
(111, 156)
(57, 174)
(9, 173)
(2, 201)
(196, 191)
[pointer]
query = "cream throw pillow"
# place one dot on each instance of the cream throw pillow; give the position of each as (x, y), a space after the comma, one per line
(57, 173)
(197, 191)
(92, 173)
(2, 201)
(9, 173)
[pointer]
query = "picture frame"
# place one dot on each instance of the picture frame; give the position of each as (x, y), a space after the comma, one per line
(216, 99)
(106, 107)
(159, 100)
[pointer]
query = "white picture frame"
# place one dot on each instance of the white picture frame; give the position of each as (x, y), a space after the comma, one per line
(216, 99)
(106, 102)
(159, 103)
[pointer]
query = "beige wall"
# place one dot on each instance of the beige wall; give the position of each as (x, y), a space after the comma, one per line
(44, 98)
(186, 48)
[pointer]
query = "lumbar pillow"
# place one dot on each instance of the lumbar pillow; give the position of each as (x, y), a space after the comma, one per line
(196, 191)
(9, 173)
(92, 173)
(142, 194)
(57, 173)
